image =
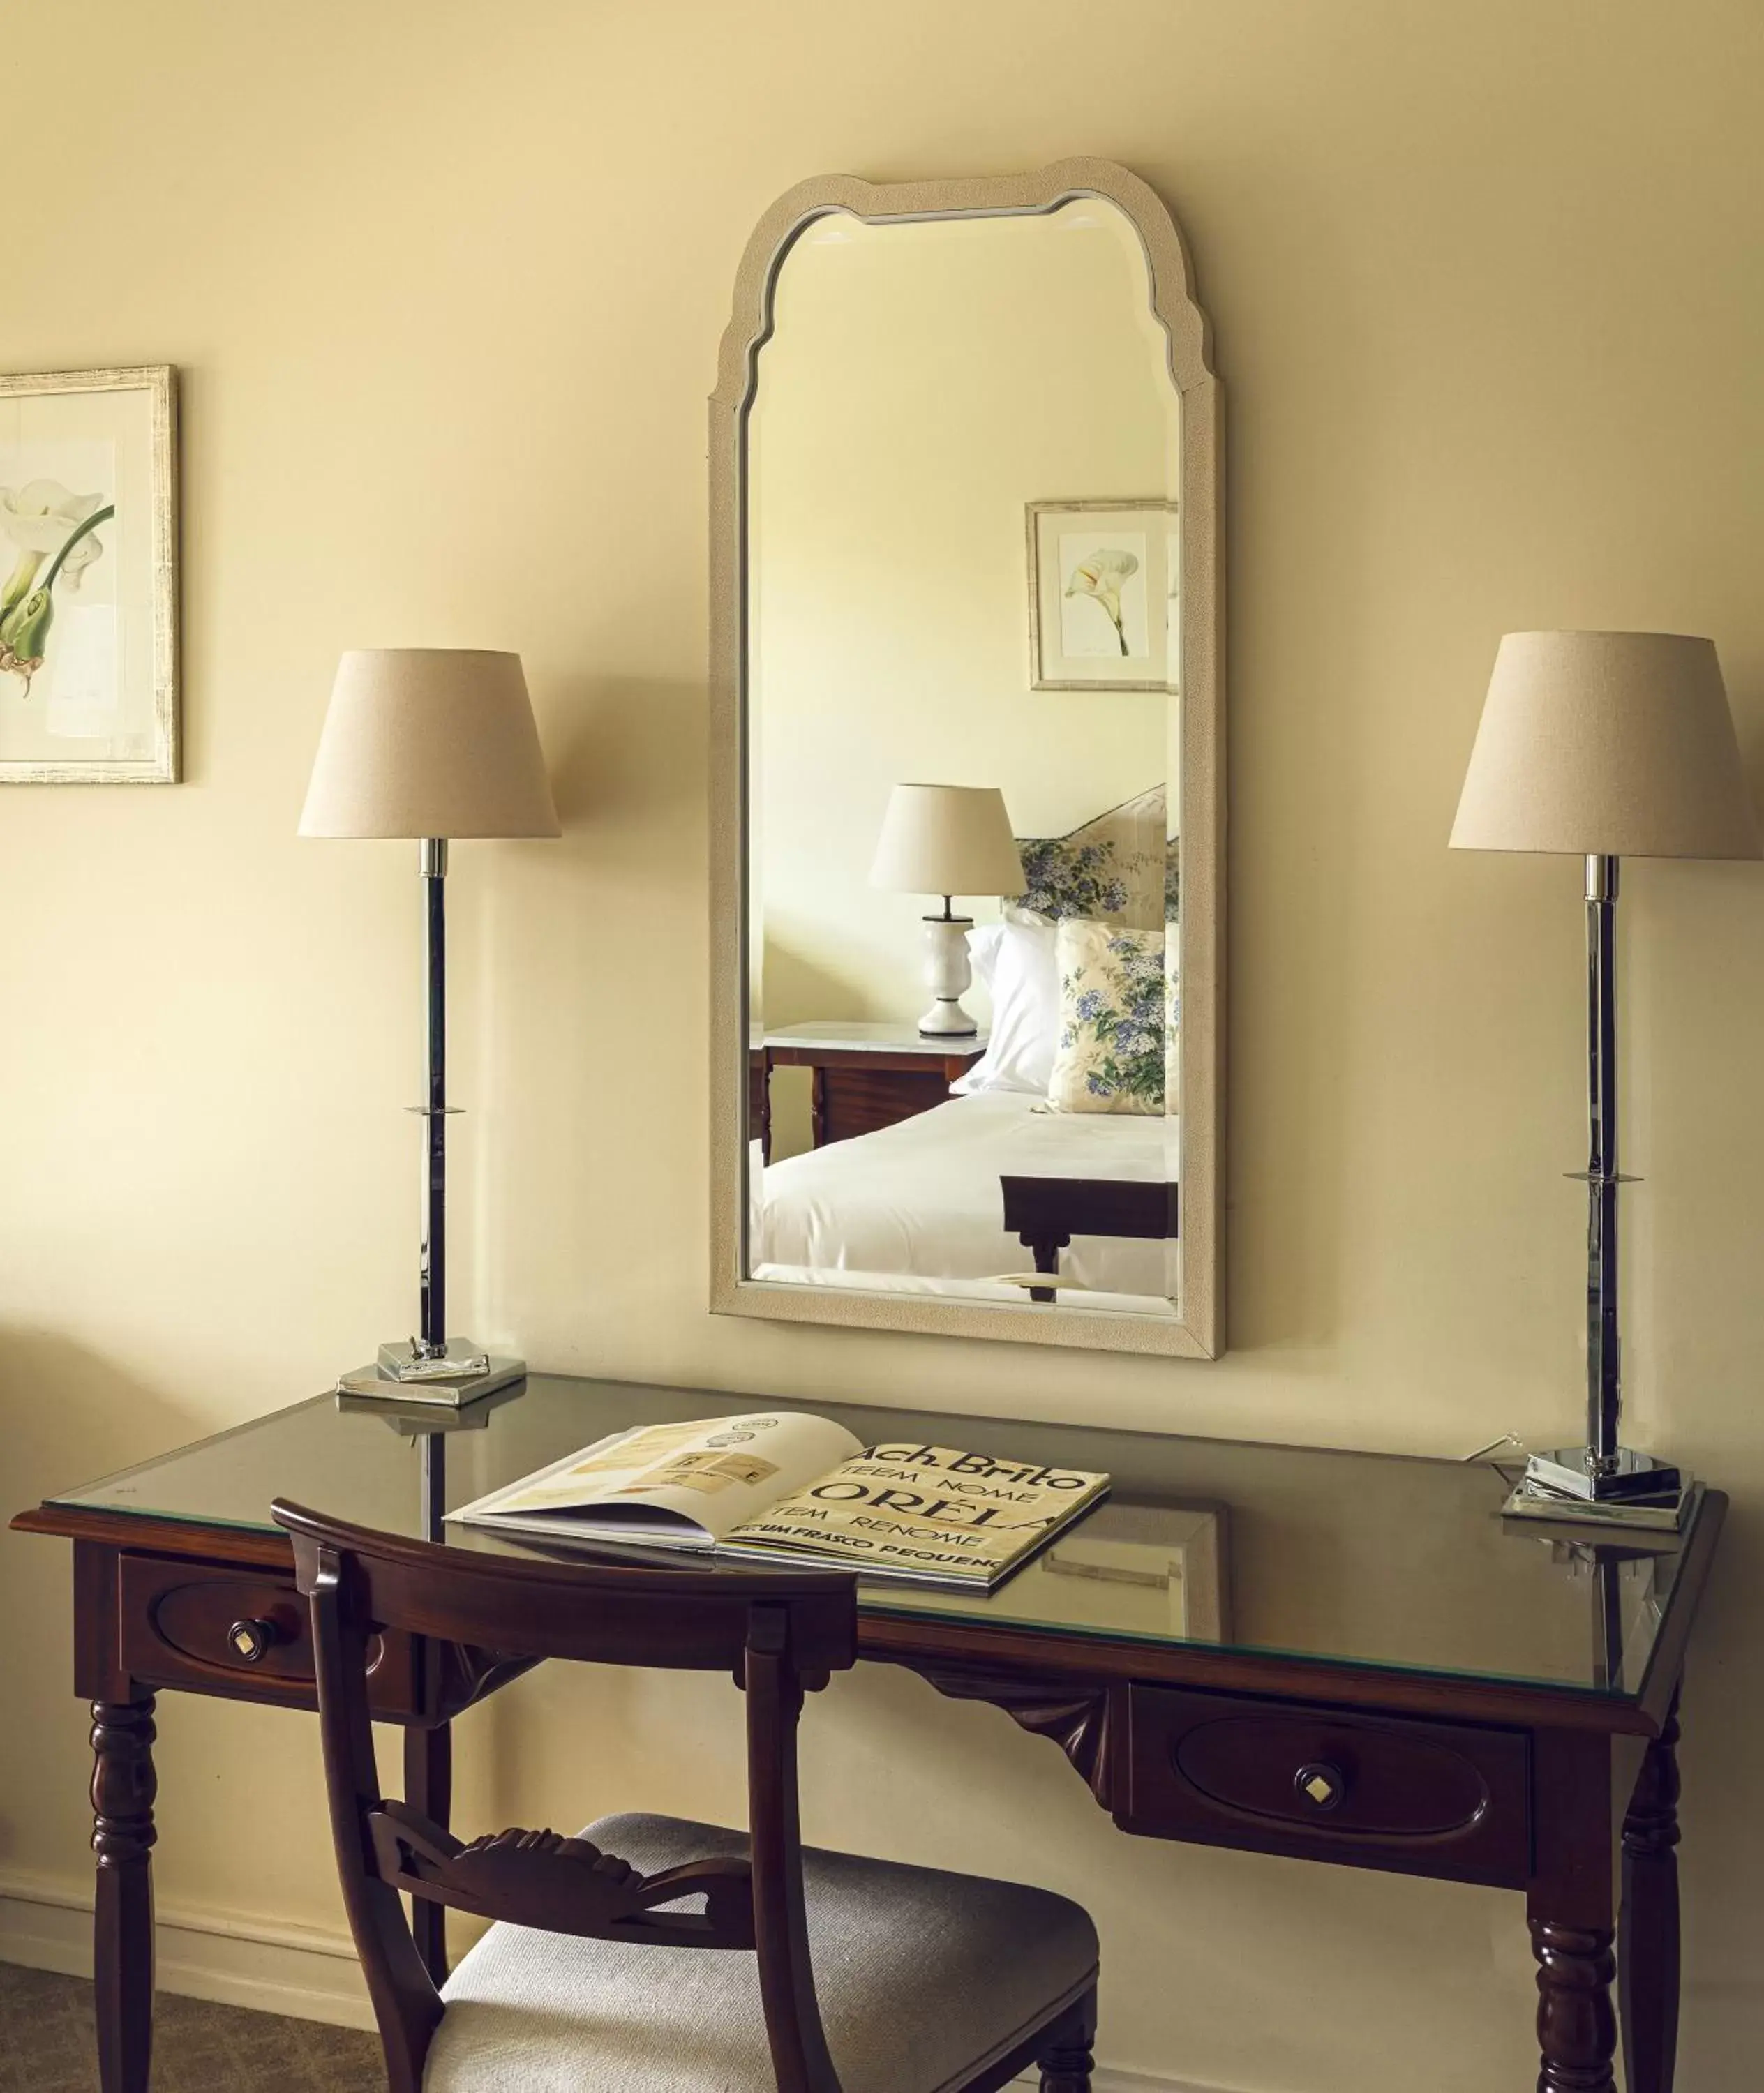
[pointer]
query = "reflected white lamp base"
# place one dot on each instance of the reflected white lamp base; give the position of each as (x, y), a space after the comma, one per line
(948, 974)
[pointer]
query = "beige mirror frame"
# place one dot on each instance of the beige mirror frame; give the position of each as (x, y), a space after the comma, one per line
(1197, 1330)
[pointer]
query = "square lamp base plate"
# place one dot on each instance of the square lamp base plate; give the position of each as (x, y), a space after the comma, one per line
(1564, 1486)
(401, 1375)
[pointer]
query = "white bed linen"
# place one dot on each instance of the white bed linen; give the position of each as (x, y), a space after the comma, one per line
(917, 1206)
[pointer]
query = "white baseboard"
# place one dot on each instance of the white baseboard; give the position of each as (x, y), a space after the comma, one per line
(1137, 2082)
(303, 1971)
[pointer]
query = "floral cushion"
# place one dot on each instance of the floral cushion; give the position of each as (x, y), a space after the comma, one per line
(1112, 991)
(1067, 878)
(1119, 868)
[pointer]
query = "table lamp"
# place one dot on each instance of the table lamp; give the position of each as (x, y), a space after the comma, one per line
(947, 839)
(1605, 745)
(430, 742)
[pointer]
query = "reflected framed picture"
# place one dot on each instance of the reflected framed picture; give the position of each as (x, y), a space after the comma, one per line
(1102, 596)
(1155, 1569)
(88, 593)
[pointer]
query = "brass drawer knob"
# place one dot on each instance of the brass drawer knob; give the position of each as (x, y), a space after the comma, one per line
(1319, 1785)
(250, 1640)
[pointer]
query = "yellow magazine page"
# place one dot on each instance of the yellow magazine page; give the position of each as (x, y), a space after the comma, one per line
(932, 1512)
(708, 1473)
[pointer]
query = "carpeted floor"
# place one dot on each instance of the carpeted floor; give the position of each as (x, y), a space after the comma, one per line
(46, 2045)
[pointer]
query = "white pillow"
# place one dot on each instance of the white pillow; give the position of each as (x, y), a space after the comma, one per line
(983, 952)
(1015, 961)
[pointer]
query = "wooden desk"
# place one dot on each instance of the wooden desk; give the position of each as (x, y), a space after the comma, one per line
(1388, 1678)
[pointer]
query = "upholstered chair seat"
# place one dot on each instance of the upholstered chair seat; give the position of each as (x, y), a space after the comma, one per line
(923, 1979)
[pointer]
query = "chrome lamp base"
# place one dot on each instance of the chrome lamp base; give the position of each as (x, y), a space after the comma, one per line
(443, 1372)
(1603, 1482)
(405, 1373)
(1568, 1486)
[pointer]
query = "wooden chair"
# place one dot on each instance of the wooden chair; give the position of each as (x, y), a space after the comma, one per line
(650, 1954)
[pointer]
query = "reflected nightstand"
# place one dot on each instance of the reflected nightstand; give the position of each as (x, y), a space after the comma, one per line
(866, 1075)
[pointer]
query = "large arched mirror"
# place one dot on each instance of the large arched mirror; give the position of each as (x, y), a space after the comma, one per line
(968, 791)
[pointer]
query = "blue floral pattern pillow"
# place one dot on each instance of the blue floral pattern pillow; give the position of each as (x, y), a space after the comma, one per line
(1112, 994)
(1118, 868)
(1068, 878)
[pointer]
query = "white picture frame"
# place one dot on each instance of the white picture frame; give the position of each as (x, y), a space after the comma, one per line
(88, 596)
(1103, 606)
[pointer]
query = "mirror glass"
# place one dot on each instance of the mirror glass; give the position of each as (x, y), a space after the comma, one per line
(961, 735)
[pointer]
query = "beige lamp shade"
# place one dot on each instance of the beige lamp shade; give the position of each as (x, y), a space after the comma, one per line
(429, 741)
(1615, 744)
(947, 839)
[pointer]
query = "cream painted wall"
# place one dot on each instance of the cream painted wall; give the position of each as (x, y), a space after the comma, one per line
(447, 292)
(921, 385)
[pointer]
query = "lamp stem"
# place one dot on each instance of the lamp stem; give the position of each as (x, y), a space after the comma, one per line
(1602, 1481)
(432, 864)
(1604, 1351)
(425, 1367)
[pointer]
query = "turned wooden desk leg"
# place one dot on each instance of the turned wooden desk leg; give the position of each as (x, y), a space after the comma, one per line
(429, 1787)
(1569, 1904)
(122, 1789)
(1647, 1982)
(1577, 2024)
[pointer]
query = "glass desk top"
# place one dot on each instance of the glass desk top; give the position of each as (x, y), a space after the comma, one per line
(1336, 1557)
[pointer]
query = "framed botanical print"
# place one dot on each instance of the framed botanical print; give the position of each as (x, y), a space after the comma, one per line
(89, 642)
(1102, 608)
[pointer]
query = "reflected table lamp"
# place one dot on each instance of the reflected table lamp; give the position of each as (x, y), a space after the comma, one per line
(947, 839)
(431, 744)
(1601, 746)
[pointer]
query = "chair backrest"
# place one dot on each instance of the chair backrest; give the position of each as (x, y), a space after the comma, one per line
(778, 1634)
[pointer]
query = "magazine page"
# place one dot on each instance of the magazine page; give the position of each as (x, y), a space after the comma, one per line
(932, 1512)
(702, 1476)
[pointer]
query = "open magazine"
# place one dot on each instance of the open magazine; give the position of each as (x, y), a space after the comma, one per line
(785, 1487)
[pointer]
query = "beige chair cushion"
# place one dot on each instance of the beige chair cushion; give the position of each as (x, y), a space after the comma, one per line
(923, 1977)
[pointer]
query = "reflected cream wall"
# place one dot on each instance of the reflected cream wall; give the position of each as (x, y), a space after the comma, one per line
(447, 304)
(922, 385)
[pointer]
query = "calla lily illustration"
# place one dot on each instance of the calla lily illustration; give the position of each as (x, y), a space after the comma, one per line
(23, 632)
(28, 611)
(39, 518)
(1101, 577)
(18, 581)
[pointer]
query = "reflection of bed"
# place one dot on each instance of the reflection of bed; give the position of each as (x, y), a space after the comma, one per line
(919, 1206)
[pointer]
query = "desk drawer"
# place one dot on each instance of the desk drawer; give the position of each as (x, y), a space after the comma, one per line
(1380, 1792)
(241, 1633)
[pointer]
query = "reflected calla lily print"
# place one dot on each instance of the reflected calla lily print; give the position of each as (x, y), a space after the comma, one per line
(1101, 577)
